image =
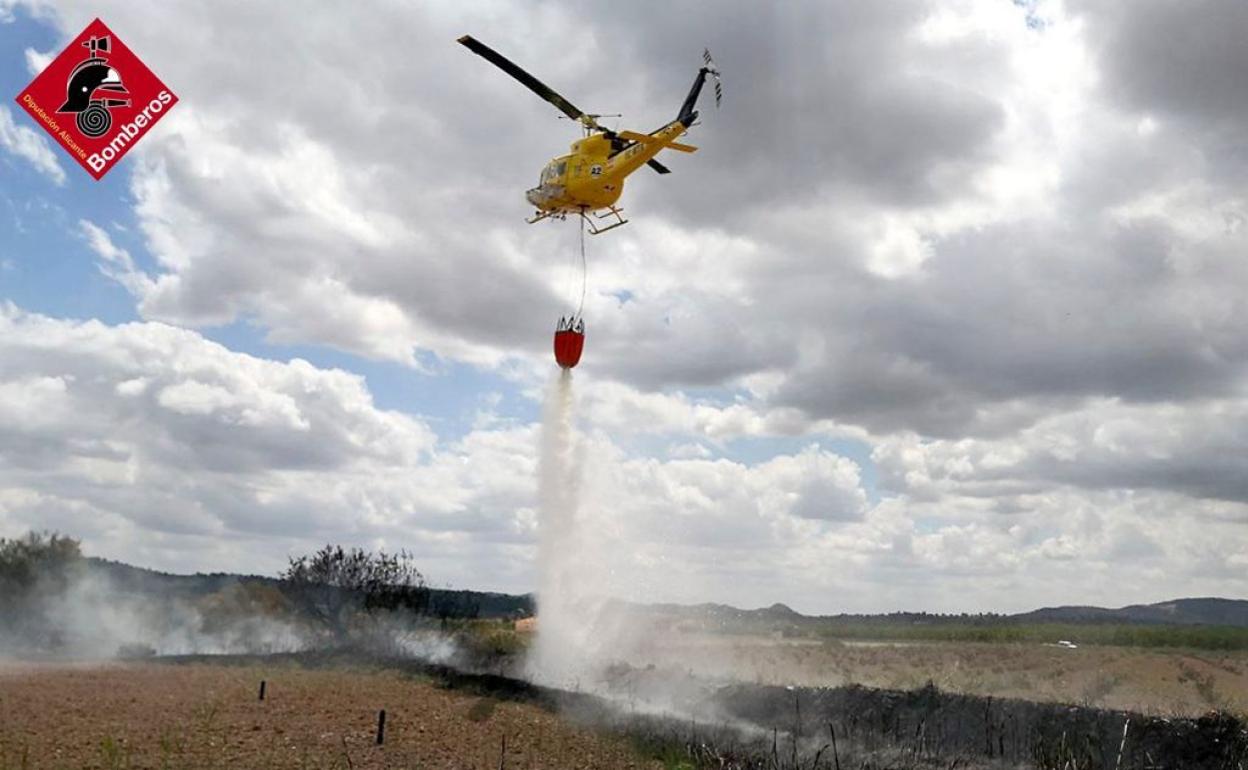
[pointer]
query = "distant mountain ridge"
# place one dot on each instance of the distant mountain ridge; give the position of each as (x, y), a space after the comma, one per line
(1210, 611)
(1207, 611)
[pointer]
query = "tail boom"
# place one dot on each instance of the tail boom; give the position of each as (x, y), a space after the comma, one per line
(629, 160)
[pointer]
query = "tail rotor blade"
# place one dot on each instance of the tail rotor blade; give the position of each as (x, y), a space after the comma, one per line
(713, 70)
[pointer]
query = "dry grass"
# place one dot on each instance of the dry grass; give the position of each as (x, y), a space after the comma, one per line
(205, 716)
(1150, 681)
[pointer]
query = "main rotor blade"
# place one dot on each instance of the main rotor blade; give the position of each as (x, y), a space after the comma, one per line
(657, 166)
(533, 84)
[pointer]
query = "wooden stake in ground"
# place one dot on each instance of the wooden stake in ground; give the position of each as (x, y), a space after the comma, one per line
(1125, 726)
(381, 727)
(262, 689)
(836, 755)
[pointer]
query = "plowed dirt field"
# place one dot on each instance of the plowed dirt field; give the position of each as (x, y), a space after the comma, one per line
(207, 716)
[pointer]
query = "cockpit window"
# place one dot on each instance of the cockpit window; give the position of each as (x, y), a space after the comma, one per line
(554, 171)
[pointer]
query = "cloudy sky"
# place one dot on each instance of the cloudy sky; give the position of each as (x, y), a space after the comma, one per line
(947, 312)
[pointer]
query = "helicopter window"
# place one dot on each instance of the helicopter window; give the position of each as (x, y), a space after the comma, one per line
(562, 168)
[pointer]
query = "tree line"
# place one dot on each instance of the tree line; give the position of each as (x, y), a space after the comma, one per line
(335, 592)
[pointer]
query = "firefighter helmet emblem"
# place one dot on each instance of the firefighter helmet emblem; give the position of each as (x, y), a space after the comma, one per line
(91, 84)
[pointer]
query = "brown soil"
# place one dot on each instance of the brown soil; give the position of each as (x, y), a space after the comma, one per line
(205, 716)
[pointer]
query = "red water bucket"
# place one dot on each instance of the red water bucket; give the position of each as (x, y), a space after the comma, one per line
(568, 347)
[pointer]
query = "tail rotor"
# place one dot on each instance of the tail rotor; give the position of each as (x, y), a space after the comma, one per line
(713, 71)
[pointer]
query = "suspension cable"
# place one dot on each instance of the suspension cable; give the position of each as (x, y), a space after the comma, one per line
(584, 268)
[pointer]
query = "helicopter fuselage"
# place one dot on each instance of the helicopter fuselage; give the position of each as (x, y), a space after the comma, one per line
(589, 178)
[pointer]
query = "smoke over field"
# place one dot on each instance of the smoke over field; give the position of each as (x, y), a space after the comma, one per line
(54, 603)
(57, 604)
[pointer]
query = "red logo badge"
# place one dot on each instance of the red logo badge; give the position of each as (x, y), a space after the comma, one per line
(97, 99)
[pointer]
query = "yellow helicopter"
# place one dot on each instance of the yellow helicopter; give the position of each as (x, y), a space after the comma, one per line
(591, 177)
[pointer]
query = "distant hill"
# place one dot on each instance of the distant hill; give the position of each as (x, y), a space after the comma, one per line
(1184, 612)
(139, 580)
(779, 617)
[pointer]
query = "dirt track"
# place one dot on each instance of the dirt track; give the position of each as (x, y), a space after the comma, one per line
(206, 716)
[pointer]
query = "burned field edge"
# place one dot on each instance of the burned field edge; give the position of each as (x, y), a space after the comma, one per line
(759, 726)
(934, 728)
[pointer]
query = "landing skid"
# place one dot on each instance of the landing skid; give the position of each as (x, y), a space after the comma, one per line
(538, 216)
(611, 211)
(594, 229)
